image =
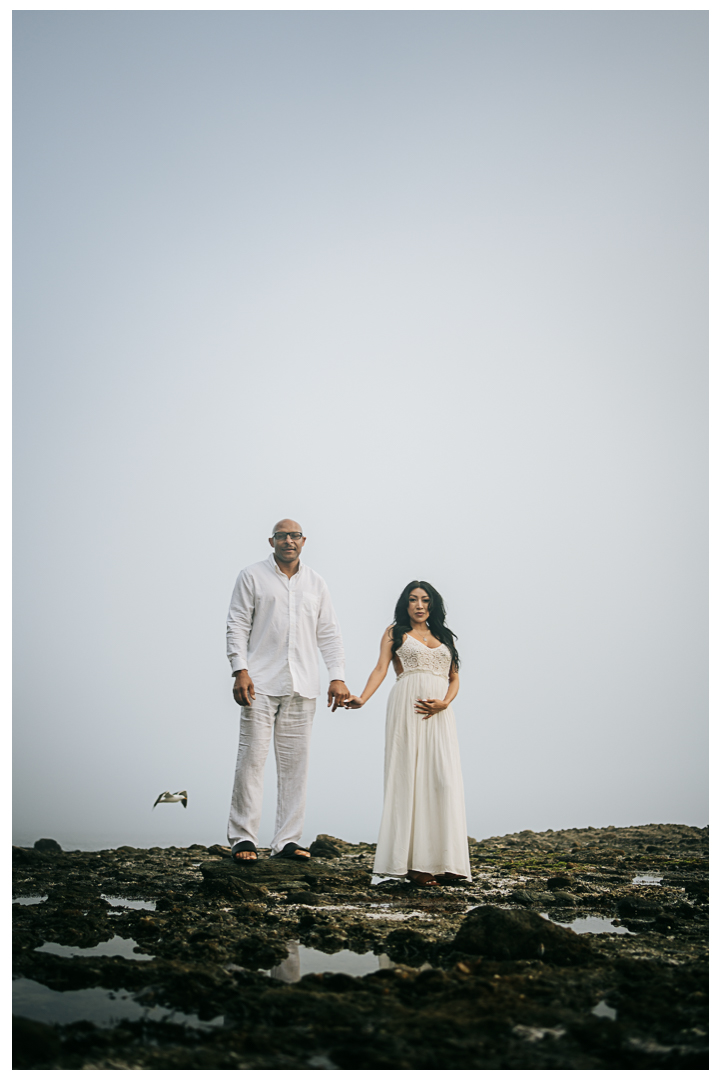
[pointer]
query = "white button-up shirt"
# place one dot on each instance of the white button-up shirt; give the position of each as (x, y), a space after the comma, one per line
(276, 625)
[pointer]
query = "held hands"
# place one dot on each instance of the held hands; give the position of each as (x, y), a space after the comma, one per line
(427, 707)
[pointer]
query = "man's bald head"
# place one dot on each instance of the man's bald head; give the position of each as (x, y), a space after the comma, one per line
(286, 525)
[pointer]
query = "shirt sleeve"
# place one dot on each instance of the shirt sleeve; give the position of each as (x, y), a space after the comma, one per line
(239, 621)
(329, 638)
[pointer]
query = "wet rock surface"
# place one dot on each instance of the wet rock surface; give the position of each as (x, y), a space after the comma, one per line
(469, 976)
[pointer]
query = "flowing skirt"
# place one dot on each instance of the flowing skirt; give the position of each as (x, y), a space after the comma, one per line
(423, 823)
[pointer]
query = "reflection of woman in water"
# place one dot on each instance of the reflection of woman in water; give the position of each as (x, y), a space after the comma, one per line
(423, 833)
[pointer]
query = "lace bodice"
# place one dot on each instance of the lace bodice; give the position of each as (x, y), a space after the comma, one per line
(414, 656)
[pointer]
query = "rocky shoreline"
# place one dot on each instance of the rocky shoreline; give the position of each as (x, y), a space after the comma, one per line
(475, 976)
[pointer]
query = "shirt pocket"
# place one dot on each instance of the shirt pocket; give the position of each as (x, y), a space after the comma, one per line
(310, 606)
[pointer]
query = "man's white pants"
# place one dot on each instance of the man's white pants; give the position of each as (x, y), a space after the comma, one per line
(290, 718)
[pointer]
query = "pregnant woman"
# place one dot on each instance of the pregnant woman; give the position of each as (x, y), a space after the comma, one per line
(423, 833)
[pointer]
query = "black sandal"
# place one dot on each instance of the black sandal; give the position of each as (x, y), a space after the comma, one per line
(290, 851)
(243, 845)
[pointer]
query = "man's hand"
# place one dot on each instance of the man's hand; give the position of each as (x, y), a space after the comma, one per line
(337, 694)
(244, 689)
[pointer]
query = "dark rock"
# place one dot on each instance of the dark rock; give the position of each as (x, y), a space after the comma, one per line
(234, 889)
(221, 879)
(518, 935)
(560, 882)
(304, 898)
(169, 902)
(566, 898)
(47, 845)
(343, 846)
(219, 849)
(522, 896)
(323, 849)
(531, 896)
(263, 871)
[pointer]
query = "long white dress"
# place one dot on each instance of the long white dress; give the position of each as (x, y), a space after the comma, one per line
(423, 823)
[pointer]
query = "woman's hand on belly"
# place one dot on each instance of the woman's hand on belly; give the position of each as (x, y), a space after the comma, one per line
(429, 706)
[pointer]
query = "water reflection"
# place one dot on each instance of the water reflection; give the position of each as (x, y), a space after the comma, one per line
(100, 1006)
(116, 946)
(302, 960)
(289, 970)
(589, 924)
(24, 900)
(647, 879)
(601, 1009)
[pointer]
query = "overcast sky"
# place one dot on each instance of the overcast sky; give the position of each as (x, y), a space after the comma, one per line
(431, 283)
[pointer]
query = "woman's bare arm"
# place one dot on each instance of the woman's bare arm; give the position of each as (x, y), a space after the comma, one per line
(377, 674)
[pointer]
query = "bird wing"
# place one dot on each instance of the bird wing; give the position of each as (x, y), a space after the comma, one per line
(184, 802)
(160, 797)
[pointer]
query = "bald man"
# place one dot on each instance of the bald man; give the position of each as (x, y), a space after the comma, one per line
(280, 615)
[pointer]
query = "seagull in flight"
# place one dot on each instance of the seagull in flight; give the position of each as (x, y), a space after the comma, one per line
(175, 796)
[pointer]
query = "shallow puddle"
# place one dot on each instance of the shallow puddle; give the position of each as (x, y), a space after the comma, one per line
(122, 902)
(601, 1009)
(590, 924)
(100, 1006)
(647, 879)
(28, 899)
(117, 946)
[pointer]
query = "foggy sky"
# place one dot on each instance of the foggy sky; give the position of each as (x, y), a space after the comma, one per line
(434, 285)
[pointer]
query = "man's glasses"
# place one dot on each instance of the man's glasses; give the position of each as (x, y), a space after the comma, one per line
(284, 536)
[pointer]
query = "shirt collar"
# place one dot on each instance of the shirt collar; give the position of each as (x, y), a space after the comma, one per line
(277, 569)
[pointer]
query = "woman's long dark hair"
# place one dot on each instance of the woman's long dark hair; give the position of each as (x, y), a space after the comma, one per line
(436, 620)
